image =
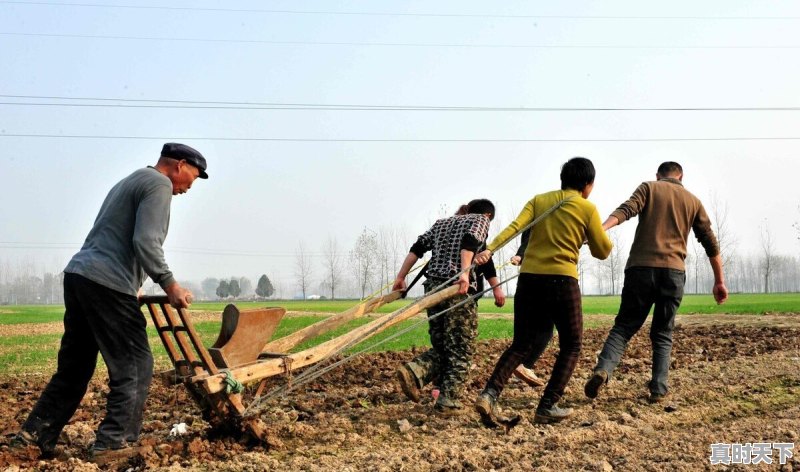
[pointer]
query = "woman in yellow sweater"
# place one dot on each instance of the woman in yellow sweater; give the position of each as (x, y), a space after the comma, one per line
(548, 294)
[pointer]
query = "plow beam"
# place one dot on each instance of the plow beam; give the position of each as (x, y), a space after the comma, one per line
(271, 367)
(285, 343)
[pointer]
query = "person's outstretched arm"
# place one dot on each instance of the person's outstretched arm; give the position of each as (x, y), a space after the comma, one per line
(720, 291)
(400, 280)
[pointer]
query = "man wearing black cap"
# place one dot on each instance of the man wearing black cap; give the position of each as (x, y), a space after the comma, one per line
(101, 284)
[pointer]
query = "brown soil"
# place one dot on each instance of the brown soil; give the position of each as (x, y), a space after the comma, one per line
(735, 379)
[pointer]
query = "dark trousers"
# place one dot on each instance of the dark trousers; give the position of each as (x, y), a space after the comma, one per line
(97, 319)
(645, 287)
(541, 303)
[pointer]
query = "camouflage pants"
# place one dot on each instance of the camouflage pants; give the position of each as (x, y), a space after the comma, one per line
(452, 345)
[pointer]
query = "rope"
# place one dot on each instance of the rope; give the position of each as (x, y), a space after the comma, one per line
(317, 370)
(536, 220)
(388, 285)
(313, 374)
(231, 384)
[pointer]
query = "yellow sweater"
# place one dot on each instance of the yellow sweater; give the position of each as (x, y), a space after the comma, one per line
(557, 239)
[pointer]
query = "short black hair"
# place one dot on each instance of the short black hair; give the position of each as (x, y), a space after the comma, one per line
(669, 168)
(480, 206)
(577, 173)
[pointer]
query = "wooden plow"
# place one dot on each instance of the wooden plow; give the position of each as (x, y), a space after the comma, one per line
(242, 355)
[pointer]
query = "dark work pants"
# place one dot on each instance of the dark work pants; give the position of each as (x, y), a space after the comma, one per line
(542, 302)
(645, 287)
(97, 319)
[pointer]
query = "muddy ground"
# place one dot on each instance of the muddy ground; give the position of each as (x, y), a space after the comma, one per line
(735, 379)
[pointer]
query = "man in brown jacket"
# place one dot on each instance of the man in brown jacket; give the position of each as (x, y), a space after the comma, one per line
(655, 272)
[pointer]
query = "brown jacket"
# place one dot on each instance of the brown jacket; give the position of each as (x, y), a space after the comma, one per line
(667, 211)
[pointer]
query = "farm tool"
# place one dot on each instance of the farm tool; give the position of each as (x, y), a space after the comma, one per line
(242, 355)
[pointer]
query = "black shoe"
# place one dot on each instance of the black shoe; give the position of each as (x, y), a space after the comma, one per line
(597, 380)
(24, 439)
(551, 413)
(408, 383)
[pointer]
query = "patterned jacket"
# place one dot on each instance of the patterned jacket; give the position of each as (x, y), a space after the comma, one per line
(446, 238)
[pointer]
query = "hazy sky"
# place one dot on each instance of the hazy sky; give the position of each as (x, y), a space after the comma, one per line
(503, 95)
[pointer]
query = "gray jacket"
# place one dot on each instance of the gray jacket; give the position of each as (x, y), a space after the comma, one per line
(125, 243)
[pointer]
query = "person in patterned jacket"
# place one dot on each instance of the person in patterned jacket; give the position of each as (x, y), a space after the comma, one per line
(453, 242)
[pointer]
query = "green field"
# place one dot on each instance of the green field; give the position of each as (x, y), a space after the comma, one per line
(704, 304)
(37, 353)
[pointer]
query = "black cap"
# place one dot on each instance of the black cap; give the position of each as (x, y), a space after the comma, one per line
(184, 152)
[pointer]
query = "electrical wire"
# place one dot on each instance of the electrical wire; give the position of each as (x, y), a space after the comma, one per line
(406, 140)
(400, 14)
(383, 44)
(230, 105)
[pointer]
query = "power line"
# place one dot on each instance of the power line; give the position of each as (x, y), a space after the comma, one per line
(203, 251)
(401, 140)
(401, 14)
(381, 44)
(212, 252)
(170, 104)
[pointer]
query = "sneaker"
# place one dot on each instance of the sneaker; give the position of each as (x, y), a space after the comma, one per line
(447, 406)
(551, 414)
(597, 380)
(408, 383)
(528, 376)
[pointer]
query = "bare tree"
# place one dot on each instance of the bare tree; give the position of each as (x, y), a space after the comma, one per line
(725, 238)
(279, 284)
(695, 262)
(363, 257)
(584, 258)
(303, 269)
(796, 225)
(246, 286)
(768, 256)
(612, 267)
(384, 256)
(390, 255)
(332, 260)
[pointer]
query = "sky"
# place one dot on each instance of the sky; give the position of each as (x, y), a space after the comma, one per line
(320, 119)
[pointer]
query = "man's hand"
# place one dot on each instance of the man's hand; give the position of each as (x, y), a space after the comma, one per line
(483, 257)
(178, 296)
(720, 292)
(499, 296)
(399, 285)
(516, 260)
(463, 283)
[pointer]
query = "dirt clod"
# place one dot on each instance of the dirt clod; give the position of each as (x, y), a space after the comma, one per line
(350, 418)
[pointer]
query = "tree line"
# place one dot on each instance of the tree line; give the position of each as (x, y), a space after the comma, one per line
(370, 264)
